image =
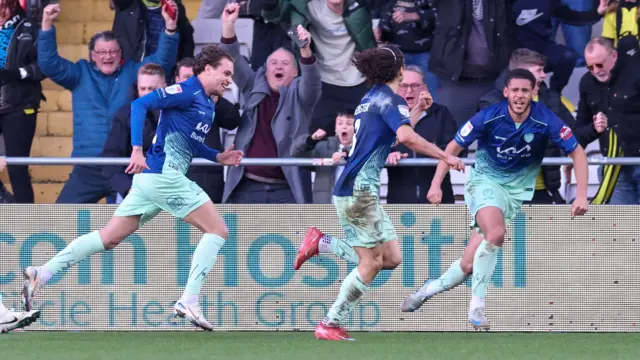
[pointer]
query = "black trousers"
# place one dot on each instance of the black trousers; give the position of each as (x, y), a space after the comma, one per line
(18, 130)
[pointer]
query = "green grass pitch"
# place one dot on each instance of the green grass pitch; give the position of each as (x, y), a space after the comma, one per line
(303, 346)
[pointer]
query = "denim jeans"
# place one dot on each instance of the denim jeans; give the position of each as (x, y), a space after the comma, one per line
(576, 37)
(627, 190)
(422, 60)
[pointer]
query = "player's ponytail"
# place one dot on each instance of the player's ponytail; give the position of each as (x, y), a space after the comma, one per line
(380, 65)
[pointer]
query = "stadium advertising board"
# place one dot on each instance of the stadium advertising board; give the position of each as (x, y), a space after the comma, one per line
(555, 273)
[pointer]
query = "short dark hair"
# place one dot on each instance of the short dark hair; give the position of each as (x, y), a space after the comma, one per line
(345, 113)
(104, 36)
(185, 62)
(380, 65)
(210, 55)
(520, 74)
(525, 57)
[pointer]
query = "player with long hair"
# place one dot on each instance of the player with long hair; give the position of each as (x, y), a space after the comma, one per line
(381, 119)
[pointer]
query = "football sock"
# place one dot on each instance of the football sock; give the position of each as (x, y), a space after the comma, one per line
(484, 263)
(351, 292)
(338, 247)
(204, 257)
(78, 250)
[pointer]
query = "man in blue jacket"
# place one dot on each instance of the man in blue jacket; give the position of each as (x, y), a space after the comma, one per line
(100, 86)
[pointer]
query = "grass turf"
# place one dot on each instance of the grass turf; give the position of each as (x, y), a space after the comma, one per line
(303, 346)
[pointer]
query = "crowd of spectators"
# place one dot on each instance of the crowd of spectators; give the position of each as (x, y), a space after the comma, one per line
(298, 97)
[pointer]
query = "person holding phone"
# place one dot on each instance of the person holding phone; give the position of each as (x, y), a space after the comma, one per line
(139, 23)
(265, 132)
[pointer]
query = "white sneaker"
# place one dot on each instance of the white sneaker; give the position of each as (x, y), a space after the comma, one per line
(193, 313)
(478, 320)
(12, 320)
(31, 287)
(414, 301)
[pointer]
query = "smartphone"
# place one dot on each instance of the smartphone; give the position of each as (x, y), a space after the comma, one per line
(169, 9)
(292, 32)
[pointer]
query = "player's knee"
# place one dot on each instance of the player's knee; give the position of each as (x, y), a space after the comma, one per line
(221, 230)
(495, 235)
(109, 240)
(371, 266)
(392, 262)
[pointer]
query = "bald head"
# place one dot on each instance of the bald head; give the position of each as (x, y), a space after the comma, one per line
(599, 42)
(281, 69)
(601, 58)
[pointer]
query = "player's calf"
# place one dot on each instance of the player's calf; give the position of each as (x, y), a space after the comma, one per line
(392, 256)
(79, 249)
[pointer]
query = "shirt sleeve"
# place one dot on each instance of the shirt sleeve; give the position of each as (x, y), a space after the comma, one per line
(207, 152)
(396, 114)
(561, 134)
(471, 130)
(173, 96)
(609, 26)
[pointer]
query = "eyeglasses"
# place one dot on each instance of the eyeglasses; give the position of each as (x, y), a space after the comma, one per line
(600, 65)
(414, 87)
(107, 52)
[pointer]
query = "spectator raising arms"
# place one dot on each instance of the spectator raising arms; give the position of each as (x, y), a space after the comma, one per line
(20, 91)
(339, 29)
(277, 109)
(99, 87)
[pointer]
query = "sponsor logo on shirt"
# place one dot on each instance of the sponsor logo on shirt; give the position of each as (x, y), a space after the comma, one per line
(565, 133)
(174, 89)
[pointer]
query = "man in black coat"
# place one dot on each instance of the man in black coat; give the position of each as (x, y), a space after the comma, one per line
(118, 144)
(471, 46)
(549, 178)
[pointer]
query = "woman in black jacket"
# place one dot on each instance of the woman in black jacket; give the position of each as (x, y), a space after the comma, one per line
(20, 92)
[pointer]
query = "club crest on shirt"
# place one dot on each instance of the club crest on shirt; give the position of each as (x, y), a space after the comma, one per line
(174, 89)
(528, 137)
(404, 110)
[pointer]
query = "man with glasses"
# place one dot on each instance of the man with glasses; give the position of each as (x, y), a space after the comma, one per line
(99, 86)
(408, 184)
(610, 102)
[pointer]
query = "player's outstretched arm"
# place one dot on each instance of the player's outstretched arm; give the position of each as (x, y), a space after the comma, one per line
(417, 143)
(580, 204)
(434, 195)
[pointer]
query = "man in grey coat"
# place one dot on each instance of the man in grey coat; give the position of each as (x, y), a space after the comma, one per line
(277, 109)
(335, 147)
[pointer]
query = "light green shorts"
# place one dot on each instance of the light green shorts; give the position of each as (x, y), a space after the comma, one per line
(363, 219)
(481, 192)
(171, 191)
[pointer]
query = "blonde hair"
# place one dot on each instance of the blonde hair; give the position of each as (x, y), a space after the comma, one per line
(151, 69)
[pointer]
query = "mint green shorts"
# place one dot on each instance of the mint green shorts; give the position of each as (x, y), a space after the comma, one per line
(171, 191)
(481, 192)
(364, 221)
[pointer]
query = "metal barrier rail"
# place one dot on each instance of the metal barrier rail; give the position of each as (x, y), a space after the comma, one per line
(292, 161)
